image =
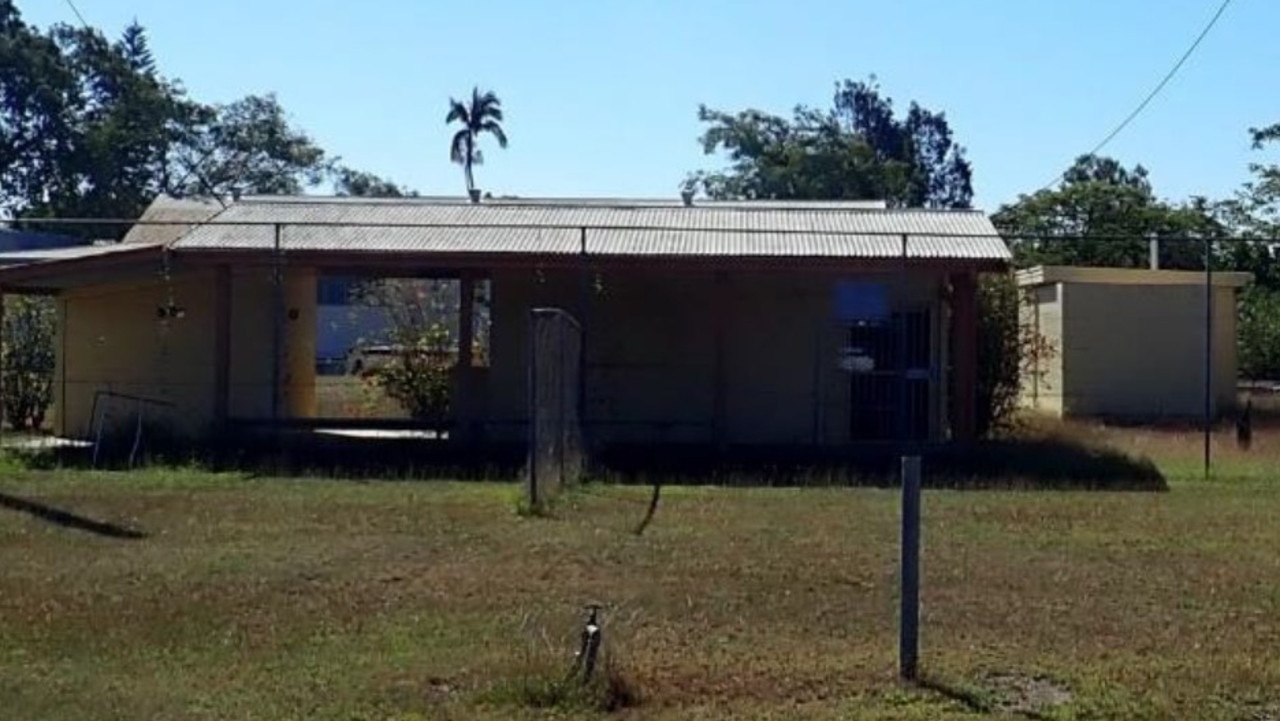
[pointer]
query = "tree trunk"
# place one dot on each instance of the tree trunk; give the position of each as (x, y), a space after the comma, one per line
(471, 182)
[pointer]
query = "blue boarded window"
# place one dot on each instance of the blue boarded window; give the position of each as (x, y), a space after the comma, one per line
(861, 302)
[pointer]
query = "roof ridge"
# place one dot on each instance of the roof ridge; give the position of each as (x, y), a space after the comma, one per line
(747, 206)
(194, 226)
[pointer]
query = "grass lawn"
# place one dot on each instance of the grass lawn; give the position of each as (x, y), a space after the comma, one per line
(330, 599)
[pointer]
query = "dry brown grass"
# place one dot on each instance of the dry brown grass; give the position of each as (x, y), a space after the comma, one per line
(312, 599)
(350, 397)
(1177, 449)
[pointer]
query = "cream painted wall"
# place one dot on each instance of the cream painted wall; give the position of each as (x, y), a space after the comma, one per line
(110, 339)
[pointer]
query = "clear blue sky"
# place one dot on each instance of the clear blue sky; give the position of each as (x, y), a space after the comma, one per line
(602, 97)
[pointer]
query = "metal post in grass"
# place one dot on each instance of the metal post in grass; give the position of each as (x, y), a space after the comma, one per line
(534, 497)
(909, 613)
(900, 333)
(1208, 357)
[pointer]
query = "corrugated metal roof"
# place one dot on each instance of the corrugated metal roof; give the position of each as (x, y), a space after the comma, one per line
(798, 245)
(410, 239)
(611, 228)
(170, 218)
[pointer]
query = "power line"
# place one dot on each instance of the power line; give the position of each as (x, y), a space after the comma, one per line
(1150, 96)
(71, 4)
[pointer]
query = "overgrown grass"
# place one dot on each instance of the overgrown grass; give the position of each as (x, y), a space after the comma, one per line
(545, 680)
(258, 598)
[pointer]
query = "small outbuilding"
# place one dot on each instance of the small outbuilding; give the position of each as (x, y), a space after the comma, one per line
(1129, 343)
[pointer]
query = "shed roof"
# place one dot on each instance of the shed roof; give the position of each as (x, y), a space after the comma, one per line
(600, 227)
(1046, 274)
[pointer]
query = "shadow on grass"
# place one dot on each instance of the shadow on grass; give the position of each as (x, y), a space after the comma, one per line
(66, 519)
(296, 454)
(1047, 459)
(1048, 462)
(1033, 697)
(972, 698)
(1030, 463)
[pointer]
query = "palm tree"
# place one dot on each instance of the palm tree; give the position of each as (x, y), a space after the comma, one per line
(482, 115)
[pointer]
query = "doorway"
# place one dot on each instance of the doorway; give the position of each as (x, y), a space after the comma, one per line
(891, 377)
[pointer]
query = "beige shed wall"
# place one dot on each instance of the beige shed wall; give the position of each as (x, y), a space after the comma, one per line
(1139, 350)
(1041, 313)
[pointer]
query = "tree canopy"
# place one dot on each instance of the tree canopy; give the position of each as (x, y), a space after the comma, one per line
(480, 116)
(859, 149)
(89, 127)
(1104, 214)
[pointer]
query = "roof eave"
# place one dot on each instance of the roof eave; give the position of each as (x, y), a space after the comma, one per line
(38, 274)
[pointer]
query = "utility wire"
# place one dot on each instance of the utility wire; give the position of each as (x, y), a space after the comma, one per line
(71, 4)
(1150, 96)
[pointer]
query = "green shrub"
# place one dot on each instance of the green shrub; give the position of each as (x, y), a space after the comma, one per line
(1008, 353)
(419, 376)
(1259, 333)
(28, 360)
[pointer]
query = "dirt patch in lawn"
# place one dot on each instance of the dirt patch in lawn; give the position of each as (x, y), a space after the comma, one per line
(1023, 694)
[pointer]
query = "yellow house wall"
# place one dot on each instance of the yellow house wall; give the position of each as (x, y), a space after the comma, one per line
(253, 345)
(652, 354)
(110, 339)
(250, 368)
(298, 383)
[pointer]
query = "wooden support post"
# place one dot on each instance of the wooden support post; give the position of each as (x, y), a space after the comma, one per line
(964, 336)
(222, 346)
(466, 319)
(464, 398)
(277, 332)
(720, 313)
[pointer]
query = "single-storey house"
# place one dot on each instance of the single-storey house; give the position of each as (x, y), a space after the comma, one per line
(1130, 343)
(728, 323)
